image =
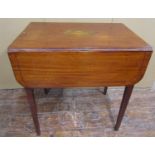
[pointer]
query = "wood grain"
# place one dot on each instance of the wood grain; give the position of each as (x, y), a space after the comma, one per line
(89, 36)
(48, 55)
(74, 69)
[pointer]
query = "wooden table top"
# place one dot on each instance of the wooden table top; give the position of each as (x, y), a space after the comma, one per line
(78, 36)
(47, 55)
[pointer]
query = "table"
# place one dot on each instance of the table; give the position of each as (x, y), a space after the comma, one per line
(60, 55)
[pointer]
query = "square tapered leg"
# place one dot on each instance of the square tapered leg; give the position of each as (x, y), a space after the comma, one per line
(124, 103)
(33, 108)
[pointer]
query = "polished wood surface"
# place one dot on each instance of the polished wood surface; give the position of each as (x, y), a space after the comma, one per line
(76, 69)
(51, 55)
(78, 54)
(77, 36)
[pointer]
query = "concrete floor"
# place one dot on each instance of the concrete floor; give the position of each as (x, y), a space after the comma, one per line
(77, 112)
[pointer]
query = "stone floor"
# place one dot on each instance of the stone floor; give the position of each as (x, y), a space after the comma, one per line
(77, 112)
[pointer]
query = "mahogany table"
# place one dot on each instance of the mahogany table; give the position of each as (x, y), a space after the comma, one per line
(60, 55)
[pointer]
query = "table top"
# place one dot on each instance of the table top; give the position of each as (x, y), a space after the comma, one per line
(43, 36)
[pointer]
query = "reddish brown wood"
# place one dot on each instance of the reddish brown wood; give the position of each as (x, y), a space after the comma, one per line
(125, 101)
(55, 36)
(49, 55)
(58, 55)
(78, 69)
(33, 108)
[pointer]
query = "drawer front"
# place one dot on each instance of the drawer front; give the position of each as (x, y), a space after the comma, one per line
(78, 69)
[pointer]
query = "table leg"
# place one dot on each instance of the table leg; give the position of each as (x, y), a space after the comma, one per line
(33, 108)
(124, 103)
(46, 90)
(105, 90)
